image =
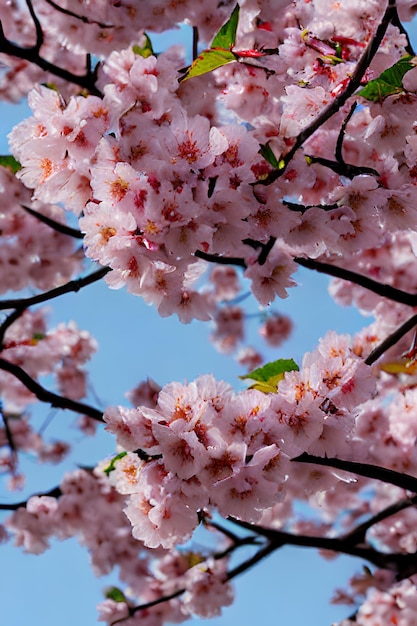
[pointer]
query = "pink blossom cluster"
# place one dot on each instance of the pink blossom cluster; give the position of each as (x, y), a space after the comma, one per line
(158, 179)
(38, 352)
(62, 351)
(50, 258)
(164, 182)
(210, 447)
(85, 497)
(146, 192)
(397, 605)
(230, 319)
(18, 75)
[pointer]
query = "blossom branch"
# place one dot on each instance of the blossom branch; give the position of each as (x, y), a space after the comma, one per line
(72, 285)
(341, 136)
(339, 100)
(38, 27)
(195, 43)
(391, 340)
(382, 289)
(82, 18)
(243, 567)
(300, 208)
(10, 441)
(256, 558)
(342, 168)
(358, 534)
(55, 492)
(405, 481)
(60, 228)
(222, 260)
(403, 564)
(49, 397)
(31, 54)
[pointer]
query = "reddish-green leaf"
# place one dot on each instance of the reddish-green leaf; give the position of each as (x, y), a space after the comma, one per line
(226, 36)
(389, 83)
(208, 61)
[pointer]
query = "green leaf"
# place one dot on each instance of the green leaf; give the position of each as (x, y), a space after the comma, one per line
(226, 36)
(208, 61)
(10, 162)
(268, 376)
(112, 465)
(268, 155)
(144, 51)
(389, 82)
(116, 594)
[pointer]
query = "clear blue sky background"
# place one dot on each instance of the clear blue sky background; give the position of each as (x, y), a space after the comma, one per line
(293, 587)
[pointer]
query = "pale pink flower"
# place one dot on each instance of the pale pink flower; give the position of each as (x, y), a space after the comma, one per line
(276, 329)
(273, 277)
(207, 590)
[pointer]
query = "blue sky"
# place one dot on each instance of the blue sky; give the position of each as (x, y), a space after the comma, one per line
(292, 587)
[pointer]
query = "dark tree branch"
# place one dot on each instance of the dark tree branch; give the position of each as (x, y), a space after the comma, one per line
(334, 106)
(342, 168)
(301, 208)
(222, 260)
(38, 27)
(195, 44)
(341, 136)
(72, 285)
(405, 481)
(357, 535)
(49, 397)
(266, 249)
(54, 493)
(403, 565)
(397, 22)
(82, 18)
(397, 295)
(9, 437)
(31, 54)
(391, 340)
(61, 228)
(265, 551)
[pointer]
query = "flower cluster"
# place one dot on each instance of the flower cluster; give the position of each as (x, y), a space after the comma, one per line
(50, 258)
(256, 155)
(84, 497)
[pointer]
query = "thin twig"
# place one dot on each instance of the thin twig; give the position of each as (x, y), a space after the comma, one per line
(343, 169)
(31, 54)
(82, 18)
(60, 228)
(391, 340)
(341, 136)
(49, 397)
(10, 441)
(405, 481)
(336, 104)
(54, 493)
(195, 43)
(397, 295)
(221, 260)
(38, 27)
(72, 285)
(357, 535)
